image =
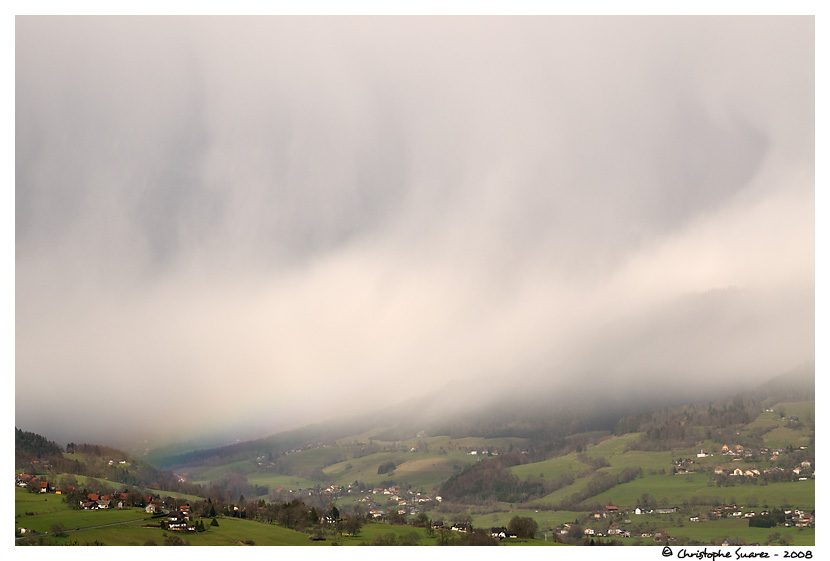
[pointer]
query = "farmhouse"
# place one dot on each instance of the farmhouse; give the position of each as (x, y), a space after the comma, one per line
(153, 507)
(666, 510)
(178, 521)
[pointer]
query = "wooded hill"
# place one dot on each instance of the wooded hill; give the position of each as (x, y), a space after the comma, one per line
(36, 455)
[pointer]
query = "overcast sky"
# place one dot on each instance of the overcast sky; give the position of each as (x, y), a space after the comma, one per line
(266, 221)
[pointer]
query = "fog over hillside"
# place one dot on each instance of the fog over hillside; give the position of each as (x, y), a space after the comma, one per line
(237, 224)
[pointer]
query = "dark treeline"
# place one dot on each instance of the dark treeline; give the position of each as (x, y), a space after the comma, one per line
(30, 446)
(683, 426)
(37, 455)
(233, 485)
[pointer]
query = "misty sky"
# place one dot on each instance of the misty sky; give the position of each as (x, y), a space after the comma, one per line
(267, 221)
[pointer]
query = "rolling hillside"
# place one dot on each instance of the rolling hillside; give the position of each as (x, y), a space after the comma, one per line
(749, 452)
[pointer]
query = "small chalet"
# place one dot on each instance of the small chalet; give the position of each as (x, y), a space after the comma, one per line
(153, 507)
(178, 522)
(499, 533)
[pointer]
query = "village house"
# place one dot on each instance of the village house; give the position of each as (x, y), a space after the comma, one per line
(153, 507)
(22, 479)
(179, 522)
(661, 536)
(501, 533)
(666, 510)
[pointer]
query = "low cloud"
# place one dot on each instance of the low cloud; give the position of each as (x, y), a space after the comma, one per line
(262, 222)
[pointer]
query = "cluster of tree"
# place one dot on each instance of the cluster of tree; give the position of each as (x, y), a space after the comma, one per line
(475, 536)
(489, 480)
(175, 540)
(523, 526)
(386, 467)
(225, 488)
(724, 480)
(358, 450)
(29, 445)
(390, 538)
(595, 463)
(773, 518)
(545, 427)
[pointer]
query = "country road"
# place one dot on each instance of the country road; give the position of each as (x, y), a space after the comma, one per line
(84, 528)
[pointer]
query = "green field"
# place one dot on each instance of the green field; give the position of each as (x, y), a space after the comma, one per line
(207, 474)
(675, 490)
(785, 436)
(419, 470)
(274, 481)
(50, 509)
(804, 410)
(438, 459)
(656, 467)
(714, 531)
(231, 531)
